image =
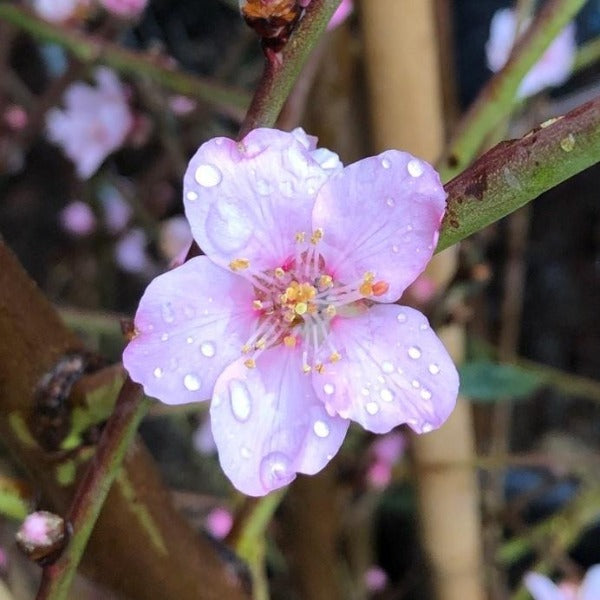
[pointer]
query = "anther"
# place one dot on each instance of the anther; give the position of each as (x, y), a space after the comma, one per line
(335, 357)
(290, 341)
(300, 237)
(301, 308)
(239, 264)
(257, 305)
(317, 236)
(330, 311)
(380, 288)
(325, 281)
(250, 363)
(320, 368)
(279, 272)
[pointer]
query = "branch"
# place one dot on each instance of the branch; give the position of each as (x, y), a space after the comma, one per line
(91, 50)
(518, 171)
(497, 98)
(281, 72)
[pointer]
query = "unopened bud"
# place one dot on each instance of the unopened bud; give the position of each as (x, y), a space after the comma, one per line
(42, 536)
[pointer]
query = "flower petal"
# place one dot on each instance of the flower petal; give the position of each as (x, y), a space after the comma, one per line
(541, 588)
(248, 199)
(393, 370)
(269, 425)
(382, 214)
(590, 587)
(191, 323)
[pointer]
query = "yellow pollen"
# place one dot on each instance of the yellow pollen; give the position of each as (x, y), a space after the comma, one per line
(325, 281)
(289, 316)
(300, 237)
(312, 309)
(368, 277)
(279, 272)
(320, 368)
(246, 349)
(289, 341)
(366, 289)
(301, 308)
(239, 264)
(257, 304)
(330, 311)
(260, 344)
(317, 236)
(250, 363)
(306, 368)
(335, 357)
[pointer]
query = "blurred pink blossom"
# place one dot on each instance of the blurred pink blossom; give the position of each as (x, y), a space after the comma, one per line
(219, 522)
(376, 579)
(385, 452)
(78, 218)
(15, 117)
(542, 588)
(130, 252)
(59, 11)
(289, 322)
(203, 440)
(94, 122)
(182, 105)
(117, 211)
(175, 237)
(553, 69)
(125, 8)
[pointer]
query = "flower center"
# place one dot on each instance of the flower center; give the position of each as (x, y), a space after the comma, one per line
(296, 302)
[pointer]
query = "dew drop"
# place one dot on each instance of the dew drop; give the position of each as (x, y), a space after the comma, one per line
(385, 163)
(427, 427)
(364, 391)
(164, 337)
(245, 452)
(425, 394)
(372, 408)
(390, 202)
(189, 340)
(434, 369)
(321, 429)
(329, 389)
(208, 349)
(167, 313)
(423, 326)
(239, 397)
(191, 196)
(275, 470)
(158, 372)
(191, 382)
(395, 249)
(208, 175)
(387, 366)
(386, 395)
(416, 384)
(414, 352)
(414, 168)
(401, 318)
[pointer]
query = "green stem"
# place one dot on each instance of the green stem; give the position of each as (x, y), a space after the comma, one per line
(497, 98)
(282, 70)
(588, 55)
(92, 50)
(518, 171)
(93, 489)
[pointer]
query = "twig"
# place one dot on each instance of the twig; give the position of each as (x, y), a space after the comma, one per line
(497, 97)
(93, 489)
(94, 50)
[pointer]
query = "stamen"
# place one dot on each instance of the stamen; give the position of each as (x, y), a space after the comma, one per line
(279, 273)
(317, 236)
(300, 237)
(330, 311)
(250, 363)
(301, 308)
(257, 305)
(380, 288)
(239, 264)
(325, 281)
(290, 341)
(335, 357)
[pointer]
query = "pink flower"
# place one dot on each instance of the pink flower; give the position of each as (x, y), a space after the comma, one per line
(542, 588)
(59, 11)
(94, 123)
(117, 211)
(78, 218)
(376, 579)
(553, 69)
(385, 452)
(130, 252)
(174, 237)
(219, 522)
(15, 117)
(125, 8)
(288, 322)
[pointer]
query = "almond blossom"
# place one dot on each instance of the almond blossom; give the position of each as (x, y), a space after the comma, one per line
(94, 122)
(542, 588)
(289, 321)
(60, 11)
(125, 8)
(553, 69)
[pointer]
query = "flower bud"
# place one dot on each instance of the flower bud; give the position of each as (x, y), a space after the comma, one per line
(42, 536)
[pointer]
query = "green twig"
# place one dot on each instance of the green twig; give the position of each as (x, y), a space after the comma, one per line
(282, 70)
(93, 50)
(498, 96)
(588, 55)
(93, 489)
(518, 171)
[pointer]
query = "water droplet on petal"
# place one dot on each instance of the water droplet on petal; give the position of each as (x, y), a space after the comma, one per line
(423, 326)
(329, 389)
(414, 352)
(385, 163)
(321, 429)
(208, 175)
(208, 349)
(416, 384)
(364, 391)
(425, 394)
(390, 202)
(191, 382)
(414, 168)
(395, 249)
(192, 196)
(189, 340)
(158, 372)
(164, 337)
(245, 452)
(167, 313)
(434, 369)
(372, 408)
(386, 395)
(387, 366)
(380, 378)
(401, 318)
(427, 427)
(239, 397)
(275, 470)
